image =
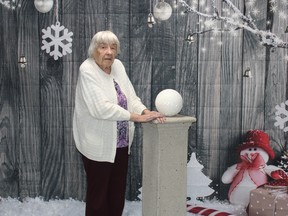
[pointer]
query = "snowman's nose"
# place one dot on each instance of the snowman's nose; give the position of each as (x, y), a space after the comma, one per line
(253, 155)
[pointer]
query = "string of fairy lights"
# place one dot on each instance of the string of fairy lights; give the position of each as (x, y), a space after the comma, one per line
(207, 17)
(213, 21)
(229, 19)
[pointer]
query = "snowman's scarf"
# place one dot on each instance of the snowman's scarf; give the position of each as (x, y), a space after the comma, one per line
(255, 171)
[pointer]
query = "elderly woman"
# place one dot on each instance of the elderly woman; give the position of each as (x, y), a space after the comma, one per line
(106, 108)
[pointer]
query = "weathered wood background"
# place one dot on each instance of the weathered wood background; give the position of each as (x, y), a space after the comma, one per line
(37, 153)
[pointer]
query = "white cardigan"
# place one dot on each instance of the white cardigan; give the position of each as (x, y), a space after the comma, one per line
(96, 110)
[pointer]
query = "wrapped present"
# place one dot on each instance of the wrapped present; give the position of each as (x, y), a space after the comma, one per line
(269, 201)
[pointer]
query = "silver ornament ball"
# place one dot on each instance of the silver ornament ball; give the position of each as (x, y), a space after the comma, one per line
(43, 6)
(162, 11)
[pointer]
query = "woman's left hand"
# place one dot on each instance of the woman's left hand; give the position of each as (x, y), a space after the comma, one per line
(158, 119)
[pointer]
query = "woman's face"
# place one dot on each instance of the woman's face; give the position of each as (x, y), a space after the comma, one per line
(105, 55)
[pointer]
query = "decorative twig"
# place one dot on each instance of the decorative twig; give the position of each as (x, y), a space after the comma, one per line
(240, 21)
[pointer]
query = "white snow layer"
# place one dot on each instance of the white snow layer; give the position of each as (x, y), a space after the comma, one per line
(70, 207)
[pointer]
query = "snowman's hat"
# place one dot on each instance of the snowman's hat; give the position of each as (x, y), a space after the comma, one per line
(257, 138)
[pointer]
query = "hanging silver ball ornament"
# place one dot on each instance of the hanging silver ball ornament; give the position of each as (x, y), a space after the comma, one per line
(43, 6)
(162, 11)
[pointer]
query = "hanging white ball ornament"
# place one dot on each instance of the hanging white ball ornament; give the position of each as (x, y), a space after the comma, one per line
(43, 6)
(162, 11)
(169, 102)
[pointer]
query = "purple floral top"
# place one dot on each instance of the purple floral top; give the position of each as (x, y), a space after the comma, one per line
(122, 126)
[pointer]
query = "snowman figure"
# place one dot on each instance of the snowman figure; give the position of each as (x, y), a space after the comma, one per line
(252, 171)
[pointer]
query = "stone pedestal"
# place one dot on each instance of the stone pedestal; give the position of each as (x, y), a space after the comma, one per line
(164, 185)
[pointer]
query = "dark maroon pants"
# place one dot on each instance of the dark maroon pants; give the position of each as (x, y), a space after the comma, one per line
(106, 184)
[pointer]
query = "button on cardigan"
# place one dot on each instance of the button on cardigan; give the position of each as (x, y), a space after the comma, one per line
(96, 110)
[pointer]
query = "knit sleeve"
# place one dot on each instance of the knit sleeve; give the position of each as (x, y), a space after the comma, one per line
(94, 95)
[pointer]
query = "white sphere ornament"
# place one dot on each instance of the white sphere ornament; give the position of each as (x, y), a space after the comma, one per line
(43, 6)
(169, 102)
(162, 11)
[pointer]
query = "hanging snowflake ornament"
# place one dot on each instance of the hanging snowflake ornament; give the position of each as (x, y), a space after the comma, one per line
(13, 5)
(281, 116)
(57, 40)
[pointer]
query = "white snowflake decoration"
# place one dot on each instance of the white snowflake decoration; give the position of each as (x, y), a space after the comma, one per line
(57, 36)
(10, 4)
(281, 116)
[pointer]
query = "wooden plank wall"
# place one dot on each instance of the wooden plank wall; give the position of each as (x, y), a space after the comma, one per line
(37, 152)
(9, 105)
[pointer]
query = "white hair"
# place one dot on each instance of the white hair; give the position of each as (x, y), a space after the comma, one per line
(106, 37)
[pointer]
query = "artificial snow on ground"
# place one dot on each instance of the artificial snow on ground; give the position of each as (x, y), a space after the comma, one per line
(70, 207)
